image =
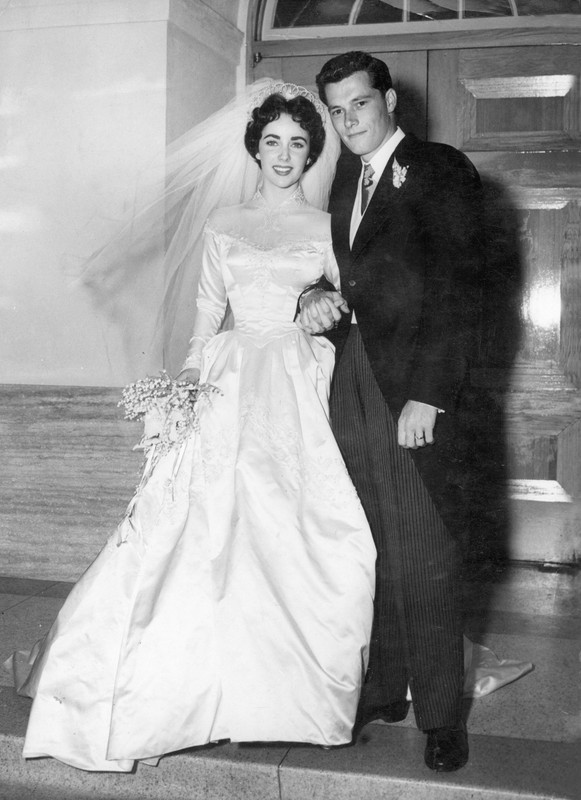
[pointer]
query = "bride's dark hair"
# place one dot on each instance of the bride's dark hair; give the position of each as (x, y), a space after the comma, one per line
(300, 109)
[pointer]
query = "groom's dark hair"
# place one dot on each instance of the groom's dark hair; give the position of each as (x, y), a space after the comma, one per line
(345, 65)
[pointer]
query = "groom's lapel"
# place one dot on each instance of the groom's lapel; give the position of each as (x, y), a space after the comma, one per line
(377, 214)
(384, 201)
(341, 214)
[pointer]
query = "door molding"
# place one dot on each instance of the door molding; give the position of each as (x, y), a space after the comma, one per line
(445, 35)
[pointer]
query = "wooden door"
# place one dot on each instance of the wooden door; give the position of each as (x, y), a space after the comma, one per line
(516, 112)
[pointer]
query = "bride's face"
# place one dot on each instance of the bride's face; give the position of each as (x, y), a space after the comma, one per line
(283, 151)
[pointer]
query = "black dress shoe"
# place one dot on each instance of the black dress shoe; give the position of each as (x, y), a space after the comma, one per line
(446, 748)
(392, 712)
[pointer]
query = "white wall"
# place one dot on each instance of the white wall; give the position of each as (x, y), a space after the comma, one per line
(89, 93)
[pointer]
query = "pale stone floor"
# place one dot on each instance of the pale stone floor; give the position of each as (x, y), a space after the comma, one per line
(525, 738)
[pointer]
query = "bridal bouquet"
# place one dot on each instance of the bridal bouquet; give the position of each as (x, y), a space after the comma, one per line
(167, 407)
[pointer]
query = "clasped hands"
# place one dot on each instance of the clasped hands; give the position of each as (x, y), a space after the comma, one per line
(320, 312)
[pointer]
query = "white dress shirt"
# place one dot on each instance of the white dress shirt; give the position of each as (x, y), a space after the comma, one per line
(378, 162)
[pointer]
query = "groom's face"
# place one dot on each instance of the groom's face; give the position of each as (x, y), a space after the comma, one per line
(361, 115)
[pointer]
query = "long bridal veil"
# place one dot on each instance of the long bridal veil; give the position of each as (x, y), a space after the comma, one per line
(159, 242)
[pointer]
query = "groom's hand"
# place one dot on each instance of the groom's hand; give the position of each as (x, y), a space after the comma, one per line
(415, 427)
(321, 311)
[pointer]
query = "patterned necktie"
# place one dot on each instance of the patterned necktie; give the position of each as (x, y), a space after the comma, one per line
(366, 186)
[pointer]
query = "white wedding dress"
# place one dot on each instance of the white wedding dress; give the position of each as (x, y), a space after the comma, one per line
(235, 600)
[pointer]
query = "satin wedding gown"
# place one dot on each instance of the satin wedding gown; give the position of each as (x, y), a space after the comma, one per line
(236, 599)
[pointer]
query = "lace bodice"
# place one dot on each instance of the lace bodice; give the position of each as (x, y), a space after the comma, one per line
(260, 269)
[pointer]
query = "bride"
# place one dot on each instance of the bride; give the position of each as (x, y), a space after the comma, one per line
(235, 601)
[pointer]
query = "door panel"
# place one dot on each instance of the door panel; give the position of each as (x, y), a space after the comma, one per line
(514, 97)
(516, 113)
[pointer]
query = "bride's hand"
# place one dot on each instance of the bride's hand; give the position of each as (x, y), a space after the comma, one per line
(191, 375)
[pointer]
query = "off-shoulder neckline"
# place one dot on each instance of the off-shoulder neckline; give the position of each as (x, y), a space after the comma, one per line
(305, 243)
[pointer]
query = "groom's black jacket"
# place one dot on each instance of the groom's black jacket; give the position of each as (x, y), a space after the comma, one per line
(413, 279)
(413, 273)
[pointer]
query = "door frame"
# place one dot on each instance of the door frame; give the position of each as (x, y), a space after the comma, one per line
(513, 31)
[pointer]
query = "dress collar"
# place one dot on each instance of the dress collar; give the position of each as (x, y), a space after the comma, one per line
(297, 198)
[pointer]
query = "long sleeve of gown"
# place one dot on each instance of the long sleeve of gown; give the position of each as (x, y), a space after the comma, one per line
(329, 281)
(331, 268)
(211, 301)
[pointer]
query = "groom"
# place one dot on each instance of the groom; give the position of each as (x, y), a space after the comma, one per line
(405, 222)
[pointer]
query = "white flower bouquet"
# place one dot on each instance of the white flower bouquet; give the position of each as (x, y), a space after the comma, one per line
(167, 407)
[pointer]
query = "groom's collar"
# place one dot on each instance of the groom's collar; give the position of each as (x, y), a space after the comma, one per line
(385, 152)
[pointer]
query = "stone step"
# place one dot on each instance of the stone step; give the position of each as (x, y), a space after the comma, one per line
(525, 739)
(387, 762)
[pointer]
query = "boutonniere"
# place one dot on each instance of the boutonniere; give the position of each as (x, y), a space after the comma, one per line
(399, 174)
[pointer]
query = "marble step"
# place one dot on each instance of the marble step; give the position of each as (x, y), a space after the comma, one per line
(386, 763)
(525, 739)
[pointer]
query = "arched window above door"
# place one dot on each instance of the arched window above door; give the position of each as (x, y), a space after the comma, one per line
(306, 18)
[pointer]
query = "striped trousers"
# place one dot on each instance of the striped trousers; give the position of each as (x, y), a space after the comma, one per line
(417, 629)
